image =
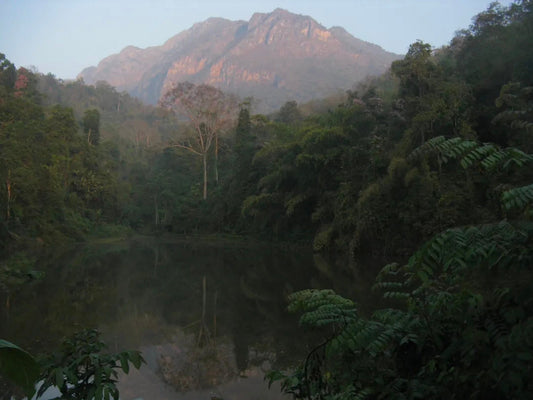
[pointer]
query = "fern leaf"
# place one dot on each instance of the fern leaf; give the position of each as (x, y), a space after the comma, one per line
(446, 258)
(520, 197)
(322, 307)
(470, 153)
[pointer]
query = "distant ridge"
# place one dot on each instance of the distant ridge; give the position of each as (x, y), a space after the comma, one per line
(274, 57)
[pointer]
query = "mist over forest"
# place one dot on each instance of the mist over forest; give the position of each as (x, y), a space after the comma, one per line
(425, 169)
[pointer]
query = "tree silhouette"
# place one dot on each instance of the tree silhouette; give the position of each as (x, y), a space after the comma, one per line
(209, 110)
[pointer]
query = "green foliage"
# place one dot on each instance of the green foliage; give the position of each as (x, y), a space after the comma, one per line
(349, 176)
(17, 271)
(83, 371)
(515, 116)
(491, 54)
(56, 186)
(289, 113)
(370, 175)
(415, 69)
(91, 126)
(8, 73)
(431, 194)
(518, 198)
(18, 366)
(323, 239)
(462, 333)
(321, 307)
(469, 153)
(462, 310)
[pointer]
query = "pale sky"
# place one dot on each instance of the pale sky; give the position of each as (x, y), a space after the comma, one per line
(65, 36)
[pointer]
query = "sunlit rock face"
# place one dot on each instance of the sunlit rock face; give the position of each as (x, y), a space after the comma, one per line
(274, 57)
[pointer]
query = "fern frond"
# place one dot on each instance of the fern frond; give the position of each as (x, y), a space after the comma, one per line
(365, 336)
(322, 307)
(477, 154)
(351, 393)
(388, 270)
(374, 337)
(327, 314)
(520, 197)
(446, 257)
(469, 153)
(398, 287)
(427, 147)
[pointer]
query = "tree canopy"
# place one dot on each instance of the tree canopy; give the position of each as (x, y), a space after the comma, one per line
(210, 112)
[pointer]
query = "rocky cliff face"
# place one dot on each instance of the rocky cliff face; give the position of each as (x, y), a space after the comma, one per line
(273, 57)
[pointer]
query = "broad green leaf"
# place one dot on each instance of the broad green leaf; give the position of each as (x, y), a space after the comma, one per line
(18, 366)
(124, 363)
(60, 379)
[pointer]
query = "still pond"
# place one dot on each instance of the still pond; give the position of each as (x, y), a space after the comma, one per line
(209, 316)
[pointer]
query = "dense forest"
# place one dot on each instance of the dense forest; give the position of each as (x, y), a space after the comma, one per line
(428, 166)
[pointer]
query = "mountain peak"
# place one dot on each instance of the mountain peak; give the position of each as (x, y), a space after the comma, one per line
(276, 16)
(281, 12)
(278, 12)
(273, 57)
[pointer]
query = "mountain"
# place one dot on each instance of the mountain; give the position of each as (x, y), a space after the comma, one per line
(274, 57)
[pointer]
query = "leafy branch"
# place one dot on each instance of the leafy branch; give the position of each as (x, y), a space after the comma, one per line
(487, 156)
(81, 370)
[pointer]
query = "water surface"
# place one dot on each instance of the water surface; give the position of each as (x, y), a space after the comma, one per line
(149, 295)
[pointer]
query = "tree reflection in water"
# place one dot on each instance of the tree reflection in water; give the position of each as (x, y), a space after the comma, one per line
(148, 295)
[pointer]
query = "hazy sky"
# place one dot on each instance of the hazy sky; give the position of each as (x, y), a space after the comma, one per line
(65, 36)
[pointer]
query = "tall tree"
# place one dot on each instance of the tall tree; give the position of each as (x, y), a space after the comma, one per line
(8, 74)
(415, 70)
(209, 110)
(244, 142)
(91, 126)
(289, 113)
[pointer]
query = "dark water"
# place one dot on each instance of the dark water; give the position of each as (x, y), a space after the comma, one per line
(149, 295)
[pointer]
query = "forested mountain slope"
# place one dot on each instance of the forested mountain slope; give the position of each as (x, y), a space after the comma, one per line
(344, 178)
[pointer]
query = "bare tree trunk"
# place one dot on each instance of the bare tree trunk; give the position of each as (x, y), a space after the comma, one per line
(204, 155)
(156, 211)
(67, 169)
(156, 259)
(8, 187)
(204, 298)
(216, 158)
(215, 319)
(204, 332)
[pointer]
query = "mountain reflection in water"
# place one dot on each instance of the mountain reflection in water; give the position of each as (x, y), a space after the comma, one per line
(200, 342)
